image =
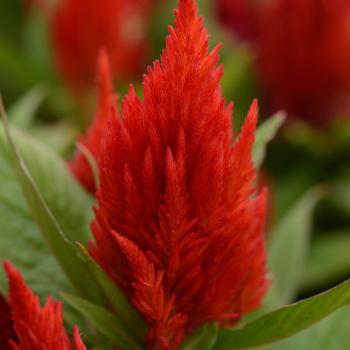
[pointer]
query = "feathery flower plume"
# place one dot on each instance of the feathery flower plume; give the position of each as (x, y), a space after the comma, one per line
(36, 327)
(81, 27)
(179, 226)
(80, 166)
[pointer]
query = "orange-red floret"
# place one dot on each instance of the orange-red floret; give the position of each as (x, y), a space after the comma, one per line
(36, 327)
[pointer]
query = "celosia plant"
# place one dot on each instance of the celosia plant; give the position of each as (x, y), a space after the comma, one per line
(34, 327)
(302, 64)
(80, 28)
(178, 255)
(176, 201)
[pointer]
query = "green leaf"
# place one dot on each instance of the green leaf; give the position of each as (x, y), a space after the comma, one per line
(104, 321)
(22, 244)
(203, 339)
(331, 333)
(52, 176)
(60, 137)
(288, 248)
(264, 134)
(328, 260)
(286, 321)
(22, 112)
(20, 241)
(125, 312)
(68, 202)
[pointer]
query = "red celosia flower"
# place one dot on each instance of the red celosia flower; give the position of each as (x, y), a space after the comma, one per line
(239, 16)
(80, 166)
(179, 226)
(81, 27)
(6, 325)
(36, 327)
(303, 61)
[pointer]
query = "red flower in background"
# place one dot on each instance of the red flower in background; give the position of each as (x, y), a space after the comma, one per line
(239, 16)
(80, 28)
(80, 166)
(36, 327)
(303, 55)
(303, 62)
(179, 226)
(6, 325)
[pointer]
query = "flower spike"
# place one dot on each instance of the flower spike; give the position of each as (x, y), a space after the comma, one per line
(36, 327)
(179, 225)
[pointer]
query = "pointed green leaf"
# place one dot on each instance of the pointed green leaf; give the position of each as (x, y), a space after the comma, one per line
(125, 312)
(105, 322)
(20, 241)
(329, 259)
(288, 248)
(331, 333)
(264, 134)
(203, 339)
(60, 137)
(286, 321)
(57, 239)
(21, 114)
(23, 245)
(68, 202)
